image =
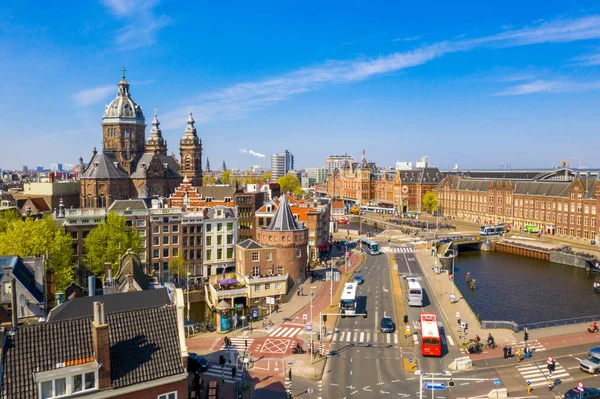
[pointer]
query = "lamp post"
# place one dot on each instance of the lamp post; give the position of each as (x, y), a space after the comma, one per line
(188, 290)
(312, 330)
(346, 256)
(331, 282)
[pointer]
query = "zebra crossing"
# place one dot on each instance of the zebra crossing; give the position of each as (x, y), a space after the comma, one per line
(215, 370)
(405, 250)
(238, 344)
(365, 337)
(285, 332)
(537, 374)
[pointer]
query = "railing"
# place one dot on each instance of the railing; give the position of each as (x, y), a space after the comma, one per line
(266, 279)
(228, 293)
(511, 325)
(561, 322)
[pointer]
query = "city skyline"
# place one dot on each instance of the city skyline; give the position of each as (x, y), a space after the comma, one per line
(395, 81)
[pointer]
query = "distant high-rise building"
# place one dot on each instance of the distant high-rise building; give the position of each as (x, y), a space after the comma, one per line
(403, 165)
(281, 163)
(423, 163)
(316, 176)
(334, 162)
(39, 168)
(54, 167)
(24, 169)
(59, 167)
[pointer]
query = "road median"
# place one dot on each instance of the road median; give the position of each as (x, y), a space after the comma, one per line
(399, 300)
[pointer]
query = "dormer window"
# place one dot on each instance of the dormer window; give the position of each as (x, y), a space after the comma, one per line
(208, 199)
(67, 381)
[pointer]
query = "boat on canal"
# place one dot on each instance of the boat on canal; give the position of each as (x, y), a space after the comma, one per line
(596, 286)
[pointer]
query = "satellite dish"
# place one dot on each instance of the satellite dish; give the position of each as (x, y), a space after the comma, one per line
(22, 300)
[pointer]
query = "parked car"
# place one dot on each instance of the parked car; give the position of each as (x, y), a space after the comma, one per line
(594, 351)
(387, 325)
(591, 364)
(358, 279)
(197, 363)
(588, 393)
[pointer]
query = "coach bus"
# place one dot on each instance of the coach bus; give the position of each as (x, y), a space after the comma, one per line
(415, 292)
(377, 209)
(431, 344)
(348, 301)
(492, 230)
(369, 246)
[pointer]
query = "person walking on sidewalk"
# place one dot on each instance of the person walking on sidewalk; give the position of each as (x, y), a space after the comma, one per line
(519, 355)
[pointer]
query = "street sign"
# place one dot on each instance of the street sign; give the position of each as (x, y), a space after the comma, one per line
(528, 382)
(580, 386)
(308, 326)
(497, 382)
(434, 385)
(305, 317)
(270, 300)
(255, 313)
(410, 359)
(451, 277)
(463, 325)
(347, 254)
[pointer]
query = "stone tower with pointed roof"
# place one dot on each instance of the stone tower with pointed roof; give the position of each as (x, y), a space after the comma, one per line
(289, 238)
(156, 143)
(190, 148)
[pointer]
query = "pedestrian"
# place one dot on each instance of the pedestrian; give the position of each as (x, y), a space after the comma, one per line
(505, 349)
(302, 291)
(519, 355)
(527, 352)
(298, 291)
(509, 352)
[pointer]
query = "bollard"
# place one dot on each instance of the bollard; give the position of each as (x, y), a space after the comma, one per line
(473, 284)
(528, 388)
(468, 277)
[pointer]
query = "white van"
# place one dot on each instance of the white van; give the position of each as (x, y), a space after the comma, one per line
(415, 292)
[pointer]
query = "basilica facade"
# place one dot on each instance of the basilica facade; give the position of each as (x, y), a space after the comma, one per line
(129, 166)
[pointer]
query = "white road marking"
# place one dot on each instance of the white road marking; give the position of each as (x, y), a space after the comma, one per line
(449, 338)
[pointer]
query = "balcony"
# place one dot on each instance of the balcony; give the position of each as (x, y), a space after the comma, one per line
(265, 279)
(227, 292)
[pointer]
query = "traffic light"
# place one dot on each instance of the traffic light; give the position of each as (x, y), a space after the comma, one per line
(451, 383)
(525, 335)
(290, 374)
(405, 319)
(324, 318)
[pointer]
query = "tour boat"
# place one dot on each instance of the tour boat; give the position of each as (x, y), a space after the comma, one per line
(596, 287)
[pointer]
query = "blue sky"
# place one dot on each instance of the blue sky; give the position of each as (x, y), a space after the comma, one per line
(476, 84)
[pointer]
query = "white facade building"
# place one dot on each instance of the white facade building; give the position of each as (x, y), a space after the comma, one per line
(220, 238)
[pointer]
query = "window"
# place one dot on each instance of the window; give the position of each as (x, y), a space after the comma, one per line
(208, 241)
(155, 229)
(256, 271)
(142, 233)
(219, 240)
(64, 386)
(165, 240)
(269, 255)
(267, 286)
(229, 253)
(165, 252)
(165, 228)
(280, 270)
(175, 240)
(74, 235)
(254, 256)
(170, 395)
(219, 226)
(229, 239)
(256, 287)
(208, 227)
(191, 230)
(229, 226)
(298, 253)
(277, 286)
(155, 241)
(140, 223)
(84, 234)
(155, 253)
(219, 253)
(593, 222)
(175, 252)
(175, 228)
(209, 254)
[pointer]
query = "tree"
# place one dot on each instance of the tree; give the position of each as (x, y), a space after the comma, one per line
(108, 241)
(38, 237)
(430, 201)
(266, 176)
(208, 181)
(289, 183)
(178, 266)
(226, 177)
(8, 216)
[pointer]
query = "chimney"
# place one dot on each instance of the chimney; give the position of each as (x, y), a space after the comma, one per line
(15, 309)
(92, 285)
(101, 345)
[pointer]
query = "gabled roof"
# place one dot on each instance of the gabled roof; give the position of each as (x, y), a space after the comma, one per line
(144, 346)
(421, 176)
(250, 244)
(217, 193)
(283, 220)
(130, 204)
(104, 166)
(146, 159)
(76, 308)
(24, 275)
(337, 204)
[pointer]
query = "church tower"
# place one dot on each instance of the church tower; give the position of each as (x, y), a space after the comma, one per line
(123, 127)
(156, 142)
(190, 148)
(207, 165)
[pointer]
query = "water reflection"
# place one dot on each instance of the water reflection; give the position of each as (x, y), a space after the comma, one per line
(511, 287)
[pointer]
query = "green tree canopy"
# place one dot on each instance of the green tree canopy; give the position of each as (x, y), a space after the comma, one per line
(178, 266)
(8, 216)
(208, 181)
(38, 237)
(226, 177)
(108, 241)
(289, 183)
(430, 201)
(266, 176)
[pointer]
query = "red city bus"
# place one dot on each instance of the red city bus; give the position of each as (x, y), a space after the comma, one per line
(431, 344)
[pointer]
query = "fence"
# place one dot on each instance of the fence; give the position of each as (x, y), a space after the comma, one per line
(511, 325)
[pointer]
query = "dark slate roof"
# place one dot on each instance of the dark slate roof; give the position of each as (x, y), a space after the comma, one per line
(250, 244)
(144, 346)
(24, 275)
(283, 220)
(227, 212)
(131, 204)
(421, 176)
(104, 166)
(146, 158)
(83, 307)
(217, 193)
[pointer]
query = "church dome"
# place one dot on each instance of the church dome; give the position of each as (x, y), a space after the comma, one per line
(123, 108)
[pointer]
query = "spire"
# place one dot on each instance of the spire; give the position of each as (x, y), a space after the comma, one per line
(190, 130)
(123, 85)
(283, 220)
(155, 131)
(207, 165)
(363, 161)
(156, 143)
(224, 167)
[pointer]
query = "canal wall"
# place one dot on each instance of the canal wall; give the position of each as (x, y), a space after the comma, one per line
(568, 259)
(529, 252)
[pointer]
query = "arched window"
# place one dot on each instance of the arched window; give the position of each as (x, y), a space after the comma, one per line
(188, 162)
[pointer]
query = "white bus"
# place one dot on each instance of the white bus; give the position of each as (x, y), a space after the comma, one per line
(348, 301)
(415, 292)
(369, 246)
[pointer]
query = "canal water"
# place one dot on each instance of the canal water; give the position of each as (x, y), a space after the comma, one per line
(513, 288)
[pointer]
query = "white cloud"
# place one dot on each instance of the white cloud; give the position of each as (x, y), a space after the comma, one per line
(252, 152)
(406, 39)
(93, 96)
(245, 97)
(587, 60)
(141, 23)
(543, 86)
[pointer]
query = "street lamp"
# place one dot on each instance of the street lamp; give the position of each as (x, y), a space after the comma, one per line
(188, 290)
(311, 326)
(346, 257)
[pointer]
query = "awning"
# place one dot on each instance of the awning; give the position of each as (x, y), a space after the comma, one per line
(228, 281)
